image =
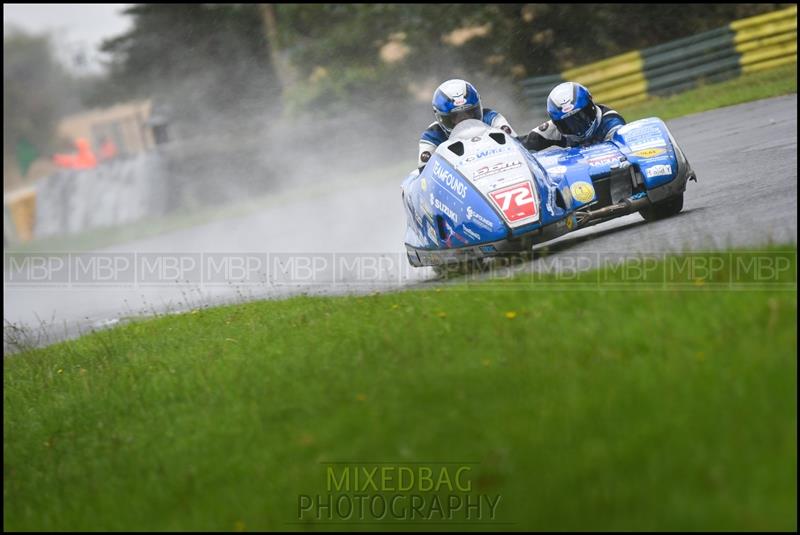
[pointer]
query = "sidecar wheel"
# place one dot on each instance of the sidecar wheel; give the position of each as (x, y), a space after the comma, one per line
(661, 210)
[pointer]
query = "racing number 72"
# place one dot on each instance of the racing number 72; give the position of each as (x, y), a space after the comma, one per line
(515, 201)
(521, 195)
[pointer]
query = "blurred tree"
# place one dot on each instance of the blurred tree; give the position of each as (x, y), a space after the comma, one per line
(337, 47)
(36, 93)
(365, 55)
(224, 58)
(203, 60)
(535, 39)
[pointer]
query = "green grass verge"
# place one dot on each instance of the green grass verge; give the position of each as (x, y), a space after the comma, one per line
(746, 88)
(584, 405)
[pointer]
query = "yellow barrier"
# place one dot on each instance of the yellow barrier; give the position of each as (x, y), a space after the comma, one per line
(767, 41)
(769, 29)
(762, 41)
(764, 65)
(628, 63)
(786, 51)
(766, 18)
(22, 207)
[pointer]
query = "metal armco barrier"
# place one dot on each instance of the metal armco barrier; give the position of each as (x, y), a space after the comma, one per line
(743, 46)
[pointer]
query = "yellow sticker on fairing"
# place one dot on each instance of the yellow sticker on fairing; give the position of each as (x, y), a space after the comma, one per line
(649, 153)
(423, 184)
(582, 191)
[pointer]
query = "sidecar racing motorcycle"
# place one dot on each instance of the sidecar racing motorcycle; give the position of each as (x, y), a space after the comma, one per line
(482, 194)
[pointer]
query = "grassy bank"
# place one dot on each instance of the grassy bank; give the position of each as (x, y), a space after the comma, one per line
(665, 403)
(746, 88)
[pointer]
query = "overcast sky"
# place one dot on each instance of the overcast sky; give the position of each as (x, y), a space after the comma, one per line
(76, 27)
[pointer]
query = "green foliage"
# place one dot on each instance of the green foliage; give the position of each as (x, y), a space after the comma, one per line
(746, 88)
(215, 59)
(26, 155)
(516, 41)
(203, 59)
(36, 92)
(368, 87)
(548, 38)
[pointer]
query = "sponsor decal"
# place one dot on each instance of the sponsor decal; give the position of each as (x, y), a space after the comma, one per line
(625, 128)
(658, 170)
(582, 191)
(646, 143)
(516, 202)
(650, 153)
(432, 234)
(639, 131)
(557, 170)
(471, 233)
(451, 233)
(459, 100)
(488, 170)
(487, 152)
(449, 179)
(478, 219)
(414, 214)
(426, 209)
(423, 184)
(597, 161)
(567, 107)
(442, 207)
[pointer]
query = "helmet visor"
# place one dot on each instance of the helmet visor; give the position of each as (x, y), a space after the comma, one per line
(449, 120)
(578, 124)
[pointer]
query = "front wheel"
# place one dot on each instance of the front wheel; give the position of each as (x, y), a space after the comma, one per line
(663, 209)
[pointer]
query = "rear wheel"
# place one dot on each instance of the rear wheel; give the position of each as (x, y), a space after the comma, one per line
(663, 209)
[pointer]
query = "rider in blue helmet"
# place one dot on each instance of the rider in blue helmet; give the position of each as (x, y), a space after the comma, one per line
(453, 101)
(574, 120)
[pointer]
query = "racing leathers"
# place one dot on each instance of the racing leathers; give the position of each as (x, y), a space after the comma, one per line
(548, 135)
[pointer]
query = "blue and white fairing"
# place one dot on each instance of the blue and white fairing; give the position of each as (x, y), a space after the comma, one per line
(642, 150)
(479, 189)
(482, 193)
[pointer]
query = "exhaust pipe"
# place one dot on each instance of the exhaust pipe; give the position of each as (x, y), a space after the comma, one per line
(625, 206)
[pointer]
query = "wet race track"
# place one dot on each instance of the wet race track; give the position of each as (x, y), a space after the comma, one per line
(350, 240)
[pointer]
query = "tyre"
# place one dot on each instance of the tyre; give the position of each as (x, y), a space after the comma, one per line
(663, 209)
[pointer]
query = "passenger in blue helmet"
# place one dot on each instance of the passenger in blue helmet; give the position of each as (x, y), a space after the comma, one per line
(574, 120)
(454, 101)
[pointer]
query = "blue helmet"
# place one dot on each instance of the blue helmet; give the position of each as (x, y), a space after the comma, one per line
(454, 101)
(572, 110)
